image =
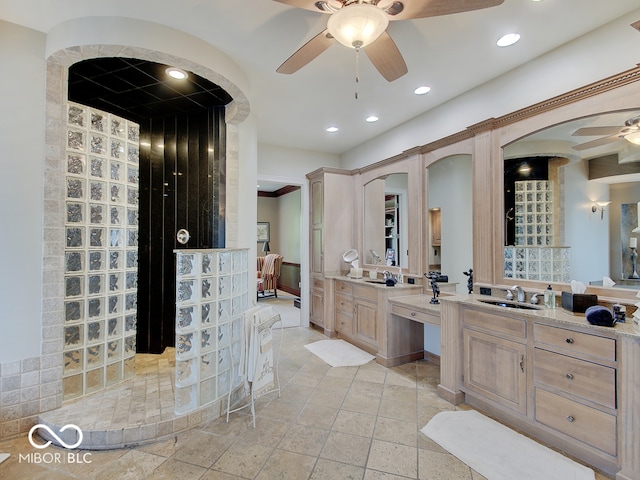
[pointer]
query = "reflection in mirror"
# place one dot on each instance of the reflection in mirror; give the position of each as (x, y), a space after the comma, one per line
(557, 224)
(450, 218)
(385, 221)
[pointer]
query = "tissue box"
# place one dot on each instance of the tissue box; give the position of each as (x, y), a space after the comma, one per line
(578, 302)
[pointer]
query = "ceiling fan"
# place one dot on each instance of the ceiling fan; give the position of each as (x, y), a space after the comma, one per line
(362, 24)
(630, 131)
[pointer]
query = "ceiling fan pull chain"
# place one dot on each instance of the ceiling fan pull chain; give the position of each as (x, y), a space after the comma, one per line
(357, 70)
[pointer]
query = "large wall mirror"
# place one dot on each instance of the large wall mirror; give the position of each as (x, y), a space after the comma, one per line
(571, 195)
(385, 229)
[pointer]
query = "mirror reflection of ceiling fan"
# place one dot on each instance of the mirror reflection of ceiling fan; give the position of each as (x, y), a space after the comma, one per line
(630, 131)
(362, 24)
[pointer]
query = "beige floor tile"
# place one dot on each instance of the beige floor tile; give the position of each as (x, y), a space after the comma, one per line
(346, 448)
(174, 470)
(398, 431)
(364, 387)
(330, 470)
(398, 410)
(281, 409)
(327, 398)
(287, 466)
(356, 402)
(215, 475)
(316, 416)
(434, 465)
(371, 375)
(399, 393)
(267, 432)
(393, 458)
(243, 460)
(376, 475)
(476, 476)
(341, 384)
(343, 372)
(354, 423)
(304, 439)
(202, 448)
(133, 465)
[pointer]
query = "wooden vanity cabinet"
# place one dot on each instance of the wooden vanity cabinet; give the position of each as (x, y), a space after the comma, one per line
(331, 234)
(495, 356)
(556, 382)
(356, 316)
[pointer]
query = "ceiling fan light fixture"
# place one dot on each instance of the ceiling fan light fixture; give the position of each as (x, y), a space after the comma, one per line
(633, 138)
(357, 25)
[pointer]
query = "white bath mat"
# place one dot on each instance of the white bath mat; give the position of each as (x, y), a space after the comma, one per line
(339, 353)
(497, 452)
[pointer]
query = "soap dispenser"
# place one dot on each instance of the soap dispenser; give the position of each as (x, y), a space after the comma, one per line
(549, 298)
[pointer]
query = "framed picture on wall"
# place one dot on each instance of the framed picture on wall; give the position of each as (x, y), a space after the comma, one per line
(263, 232)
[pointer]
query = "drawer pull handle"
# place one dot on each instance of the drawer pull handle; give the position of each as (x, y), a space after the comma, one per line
(570, 376)
(570, 419)
(569, 340)
(522, 363)
(413, 314)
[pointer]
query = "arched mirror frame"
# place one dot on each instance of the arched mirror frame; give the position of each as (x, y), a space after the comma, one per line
(412, 166)
(624, 97)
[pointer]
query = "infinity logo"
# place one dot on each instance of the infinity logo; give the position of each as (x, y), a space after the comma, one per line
(53, 434)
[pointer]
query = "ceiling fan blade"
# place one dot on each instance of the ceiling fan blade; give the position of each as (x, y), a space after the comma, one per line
(596, 131)
(306, 4)
(596, 143)
(434, 8)
(386, 57)
(306, 53)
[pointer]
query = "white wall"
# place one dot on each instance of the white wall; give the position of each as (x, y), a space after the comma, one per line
(22, 114)
(587, 235)
(290, 225)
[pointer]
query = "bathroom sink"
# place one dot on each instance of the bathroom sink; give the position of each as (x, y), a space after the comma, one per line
(505, 304)
(381, 282)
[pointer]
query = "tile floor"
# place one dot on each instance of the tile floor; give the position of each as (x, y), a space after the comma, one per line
(330, 423)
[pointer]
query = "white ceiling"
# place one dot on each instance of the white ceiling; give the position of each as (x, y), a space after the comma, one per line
(451, 54)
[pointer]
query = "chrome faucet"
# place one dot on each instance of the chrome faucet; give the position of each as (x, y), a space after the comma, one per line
(386, 275)
(520, 291)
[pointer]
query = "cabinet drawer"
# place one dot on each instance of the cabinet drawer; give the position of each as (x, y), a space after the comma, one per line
(369, 294)
(317, 283)
(344, 323)
(344, 287)
(415, 315)
(344, 303)
(577, 342)
(588, 380)
(583, 423)
(513, 327)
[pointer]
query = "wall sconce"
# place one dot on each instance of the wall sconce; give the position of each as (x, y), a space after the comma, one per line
(601, 205)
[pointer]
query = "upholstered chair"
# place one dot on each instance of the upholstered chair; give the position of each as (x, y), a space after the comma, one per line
(268, 274)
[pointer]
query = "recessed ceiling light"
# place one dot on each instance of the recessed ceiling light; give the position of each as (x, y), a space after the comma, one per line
(422, 90)
(176, 73)
(372, 118)
(332, 129)
(508, 39)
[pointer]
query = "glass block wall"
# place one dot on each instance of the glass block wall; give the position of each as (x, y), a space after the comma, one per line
(534, 213)
(212, 293)
(547, 264)
(101, 251)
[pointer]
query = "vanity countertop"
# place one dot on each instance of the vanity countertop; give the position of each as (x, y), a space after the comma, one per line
(417, 302)
(371, 283)
(559, 315)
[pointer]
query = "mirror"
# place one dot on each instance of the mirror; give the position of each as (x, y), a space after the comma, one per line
(385, 230)
(571, 194)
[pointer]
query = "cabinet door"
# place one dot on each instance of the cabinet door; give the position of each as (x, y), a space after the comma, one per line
(316, 314)
(317, 223)
(365, 322)
(495, 368)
